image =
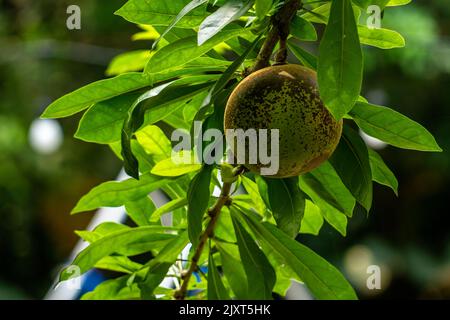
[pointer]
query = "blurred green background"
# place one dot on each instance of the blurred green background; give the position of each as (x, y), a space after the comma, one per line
(40, 181)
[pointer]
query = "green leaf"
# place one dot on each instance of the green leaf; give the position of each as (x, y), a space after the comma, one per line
(140, 210)
(322, 279)
(252, 189)
(233, 269)
(229, 12)
(319, 14)
(108, 228)
(340, 66)
(186, 50)
(312, 220)
(351, 162)
(185, 11)
(114, 289)
(216, 288)
(381, 172)
(103, 121)
(224, 227)
(336, 218)
(168, 207)
(302, 29)
(262, 8)
(394, 3)
(365, 3)
(326, 183)
(154, 142)
(260, 273)
(198, 200)
(159, 266)
(306, 58)
(110, 244)
(393, 127)
(218, 87)
(128, 62)
(118, 264)
(116, 194)
(86, 96)
(155, 99)
(381, 38)
(169, 168)
(160, 13)
(287, 203)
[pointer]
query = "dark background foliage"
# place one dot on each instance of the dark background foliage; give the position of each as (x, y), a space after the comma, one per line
(40, 60)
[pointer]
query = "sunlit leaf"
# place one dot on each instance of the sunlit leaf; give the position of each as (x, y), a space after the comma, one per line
(340, 65)
(116, 194)
(312, 220)
(160, 13)
(393, 128)
(230, 11)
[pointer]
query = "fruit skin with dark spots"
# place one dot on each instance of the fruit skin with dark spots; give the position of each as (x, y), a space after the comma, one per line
(285, 97)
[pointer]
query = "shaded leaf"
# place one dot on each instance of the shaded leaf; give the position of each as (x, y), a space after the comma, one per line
(198, 200)
(228, 75)
(351, 162)
(262, 8)
(306, 58)
(302, 29)
(326, 183)
(381, 172)
(216, 288)
(287, 203)
(260, 273)
(233, 269)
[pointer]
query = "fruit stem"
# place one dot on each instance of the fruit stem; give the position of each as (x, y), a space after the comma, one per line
(279, 32)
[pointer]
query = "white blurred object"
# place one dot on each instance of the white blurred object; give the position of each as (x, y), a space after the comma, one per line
(45, 136)
(372, 142)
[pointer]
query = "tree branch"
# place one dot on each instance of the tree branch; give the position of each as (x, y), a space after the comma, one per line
(279, 30)
(214, 213)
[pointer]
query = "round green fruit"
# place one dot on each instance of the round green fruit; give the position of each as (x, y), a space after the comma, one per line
(285, 97)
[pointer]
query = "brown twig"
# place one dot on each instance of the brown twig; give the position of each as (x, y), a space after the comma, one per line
(280, 30)
(214, 214)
